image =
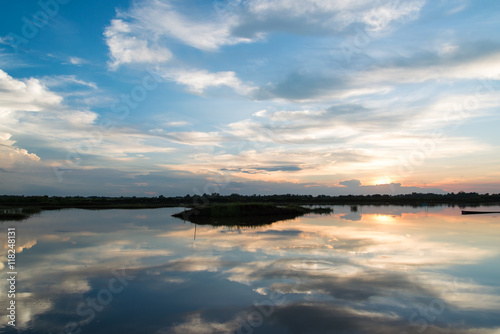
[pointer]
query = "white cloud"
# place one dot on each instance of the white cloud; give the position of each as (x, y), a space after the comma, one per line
(177, 123)
(198, 81)
(12, 156)
(338, 14)
(260, 113)
(128, 46)
(30, 111)
(61, 80)
(196, 138)
(301, 126)
(482, 67)
(142, 34)
(77, 61)
(28, 95)
(162, 19)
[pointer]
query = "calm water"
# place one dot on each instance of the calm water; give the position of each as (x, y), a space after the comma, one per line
(379, 270)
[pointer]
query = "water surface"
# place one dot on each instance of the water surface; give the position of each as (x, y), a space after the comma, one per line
(375, 270)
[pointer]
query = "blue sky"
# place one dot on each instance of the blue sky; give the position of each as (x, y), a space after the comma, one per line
(249, 96)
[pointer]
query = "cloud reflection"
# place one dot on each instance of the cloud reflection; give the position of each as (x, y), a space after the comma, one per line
(369, 275)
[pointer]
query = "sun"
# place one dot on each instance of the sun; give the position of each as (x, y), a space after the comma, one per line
(383, 180)
(384, 219)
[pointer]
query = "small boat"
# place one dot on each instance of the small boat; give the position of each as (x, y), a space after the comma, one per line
(478, 212)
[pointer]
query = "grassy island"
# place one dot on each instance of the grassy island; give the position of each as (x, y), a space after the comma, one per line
(245, 214)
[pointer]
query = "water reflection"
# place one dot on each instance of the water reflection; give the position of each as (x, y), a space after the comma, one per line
(370, 270)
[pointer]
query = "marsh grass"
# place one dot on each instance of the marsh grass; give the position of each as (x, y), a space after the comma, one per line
(12, 214)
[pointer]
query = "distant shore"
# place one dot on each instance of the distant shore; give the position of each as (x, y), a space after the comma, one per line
(21, 207)
(102, 202)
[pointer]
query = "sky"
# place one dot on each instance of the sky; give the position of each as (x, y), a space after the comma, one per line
(170, 97)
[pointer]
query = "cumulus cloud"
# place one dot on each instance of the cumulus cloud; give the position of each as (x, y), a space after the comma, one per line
(12, 156)
(140, 35)
(29, 95)
(147, 34)
(143, 33)
(198, 81)
(32, 113)
(163, 19)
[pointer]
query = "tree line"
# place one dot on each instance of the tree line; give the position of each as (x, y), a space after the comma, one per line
(415, 199)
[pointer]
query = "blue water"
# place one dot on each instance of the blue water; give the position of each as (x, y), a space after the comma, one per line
(378, 270)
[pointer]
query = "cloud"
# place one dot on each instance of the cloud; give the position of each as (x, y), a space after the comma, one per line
(77, 61)
(322, 17)
(12, 156)
(198, 81)
(350, 183)
(194, 324)
(468, 61)
(142, 33)
(147, 33)
(127, 48)
(196, 138)
(33, 115)
(29, 95)
(177, 123)
(387, 76)
(300, 86)
(296, 126)
(279, 168)
(65, 80)
(204, 33)
(336, 142)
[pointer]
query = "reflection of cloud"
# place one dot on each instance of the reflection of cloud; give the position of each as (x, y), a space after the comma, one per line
(26, 245)
(322, 318)
(333, 274)
(376, 246)
(353, 216)
(341, 280)
(196, 325)
(319, 317)
(28, 308)
(71, 286)
(194, 264)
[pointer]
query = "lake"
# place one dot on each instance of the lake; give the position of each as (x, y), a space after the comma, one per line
(386, 269)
